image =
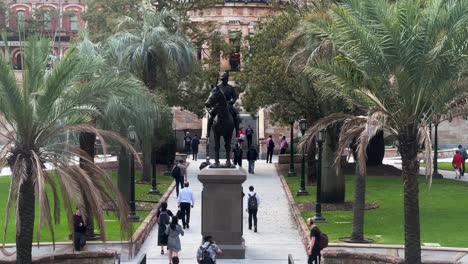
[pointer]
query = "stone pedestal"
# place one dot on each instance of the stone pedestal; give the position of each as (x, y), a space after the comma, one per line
(222, 209)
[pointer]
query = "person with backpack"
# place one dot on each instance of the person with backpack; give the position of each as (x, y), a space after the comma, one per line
(177, 173)
(270, 147)
(253, 201)
(238, 155)
(317, 242)
(252, 156)
(249, 132)
(283, 145)
(173, 231)
(464, 155)
(208, 251)
(457, 162)
(163, 217)
(195, 143)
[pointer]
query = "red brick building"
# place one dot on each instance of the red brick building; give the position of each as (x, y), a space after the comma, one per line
(58, 19)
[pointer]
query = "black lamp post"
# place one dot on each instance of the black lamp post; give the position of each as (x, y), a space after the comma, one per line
(291, 171)
(436, 173)
(133, 217)
(318, 205)
(154, 188)
(303, 191)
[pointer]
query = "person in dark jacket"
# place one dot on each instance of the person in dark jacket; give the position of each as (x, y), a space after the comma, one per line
(252, 156)
(195, 143)
(79, 231)
(205, 163)
(238, 155)
(163, 217)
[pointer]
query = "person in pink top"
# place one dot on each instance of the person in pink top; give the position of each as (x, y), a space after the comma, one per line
(283, 145)
(457, 163)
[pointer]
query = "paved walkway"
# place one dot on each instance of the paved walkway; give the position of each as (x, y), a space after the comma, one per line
(396, 162)
(277, 233)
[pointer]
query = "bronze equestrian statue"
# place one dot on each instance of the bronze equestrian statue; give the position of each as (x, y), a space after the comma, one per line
(223, 117)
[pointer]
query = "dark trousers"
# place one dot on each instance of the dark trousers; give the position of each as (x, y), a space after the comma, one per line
(251, 166)
(282, 151)
(463, 168)
(179, 181)
(238, 162)
(185, 213)
(249, 140)
(187, 149)
(314, 258)
(194, 154)
(79, 240)
(269, 154)
(252, 214)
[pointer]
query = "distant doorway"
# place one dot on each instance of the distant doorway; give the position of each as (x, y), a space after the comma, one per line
(246, 120)
(19, 61)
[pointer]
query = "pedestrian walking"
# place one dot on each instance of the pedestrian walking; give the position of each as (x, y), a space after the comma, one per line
(270, 147)
(187, 143)
(252, 156)
(205, 163)
(241, 137)
(464, 156)
(208, 251)
(253, 201)
(238, 155)
(457, 164)
(249, 133)
(313, 248)
(195, 143)
(163, 217)
(283, 145)
(173, 232)
(185, 202)
(79, 231)
(178, 173)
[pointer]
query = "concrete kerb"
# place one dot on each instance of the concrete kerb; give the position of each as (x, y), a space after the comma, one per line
(295, 212)
(294, 209)
(142, 233)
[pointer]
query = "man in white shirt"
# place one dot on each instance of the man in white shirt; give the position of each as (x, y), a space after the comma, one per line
(185, 201)
(253, 201)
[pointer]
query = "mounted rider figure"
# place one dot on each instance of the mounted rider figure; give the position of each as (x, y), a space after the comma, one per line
(231, 97)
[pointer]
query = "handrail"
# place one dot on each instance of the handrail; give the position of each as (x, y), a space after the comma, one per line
(290, 259)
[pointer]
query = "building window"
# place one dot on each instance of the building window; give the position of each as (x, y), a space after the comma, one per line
(74, 22)
(19, 19)
(235, 41)
(47, 21)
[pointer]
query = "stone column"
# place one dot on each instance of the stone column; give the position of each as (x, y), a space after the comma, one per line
(222, 209)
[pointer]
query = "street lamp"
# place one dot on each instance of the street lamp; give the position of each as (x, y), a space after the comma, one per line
(133, 217)
(318, 205)
(154, 188)
(303, 191)
(291, 171)
(436, 173)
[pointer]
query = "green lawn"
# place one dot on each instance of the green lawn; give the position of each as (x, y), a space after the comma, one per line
(61, 229)
(442, 166)
(443, 211)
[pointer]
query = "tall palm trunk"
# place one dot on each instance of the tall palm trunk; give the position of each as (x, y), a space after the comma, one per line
(123, 174)
(357, 234)
(147, 166)
(87, 144)
(149, 74)
(333, 183)
(409, 149)
(312, 164)
(376, 149)
(26, 214)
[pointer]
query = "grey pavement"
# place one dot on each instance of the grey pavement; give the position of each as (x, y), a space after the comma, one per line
(396, 162)
(277, 234)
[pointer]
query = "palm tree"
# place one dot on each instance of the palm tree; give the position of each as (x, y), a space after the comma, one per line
(36, 117)
(410, 55)
(153, 49)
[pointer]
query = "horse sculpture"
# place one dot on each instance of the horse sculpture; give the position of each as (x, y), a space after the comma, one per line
(223, 124)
